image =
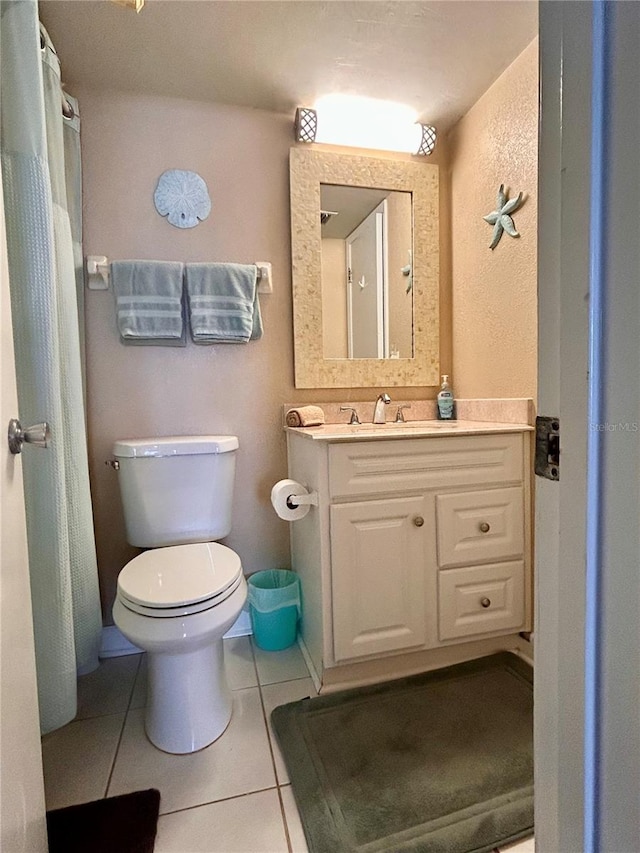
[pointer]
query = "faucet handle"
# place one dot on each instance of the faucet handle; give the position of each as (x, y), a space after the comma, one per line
(354, 419)
(400, 414)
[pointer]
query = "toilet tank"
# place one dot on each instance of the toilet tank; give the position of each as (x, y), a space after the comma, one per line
(176, 489)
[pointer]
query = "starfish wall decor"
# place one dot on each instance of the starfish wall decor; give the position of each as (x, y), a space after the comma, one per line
(500, 218)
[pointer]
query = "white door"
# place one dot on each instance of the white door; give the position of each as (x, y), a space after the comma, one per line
(587, 780)
(22, 809)
(366, 287)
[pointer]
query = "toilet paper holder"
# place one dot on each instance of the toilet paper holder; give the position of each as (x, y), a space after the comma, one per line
(310, 499)
(292, 500)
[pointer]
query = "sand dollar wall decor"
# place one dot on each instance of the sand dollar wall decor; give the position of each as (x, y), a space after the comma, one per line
(182, 197)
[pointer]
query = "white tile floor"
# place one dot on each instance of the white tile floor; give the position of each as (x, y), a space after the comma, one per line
(233, 797)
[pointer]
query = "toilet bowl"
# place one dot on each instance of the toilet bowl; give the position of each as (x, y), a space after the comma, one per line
(181, 628)
(176, 602)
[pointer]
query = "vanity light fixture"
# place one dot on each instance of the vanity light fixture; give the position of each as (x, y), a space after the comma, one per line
(306, 124)
(428, 141)
(364, 123)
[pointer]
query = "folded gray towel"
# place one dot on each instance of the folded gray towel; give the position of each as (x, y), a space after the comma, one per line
(223, 303)
(149, 308)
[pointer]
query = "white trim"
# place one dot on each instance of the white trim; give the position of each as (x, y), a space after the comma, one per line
(381, 281)
(241, 627)
(115, 644)
(317, 682)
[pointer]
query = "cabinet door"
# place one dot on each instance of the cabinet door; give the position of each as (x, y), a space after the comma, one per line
(378, 559)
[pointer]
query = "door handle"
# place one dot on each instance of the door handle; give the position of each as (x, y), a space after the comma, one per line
(38, 435)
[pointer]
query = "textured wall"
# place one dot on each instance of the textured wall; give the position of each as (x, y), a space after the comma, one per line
(495, 292)
(243, 155)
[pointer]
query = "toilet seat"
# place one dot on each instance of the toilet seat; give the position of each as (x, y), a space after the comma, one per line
(179, 580)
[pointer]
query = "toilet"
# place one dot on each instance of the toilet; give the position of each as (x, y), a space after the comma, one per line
(177, 599)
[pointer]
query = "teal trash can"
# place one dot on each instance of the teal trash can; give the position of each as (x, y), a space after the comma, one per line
(274, 607)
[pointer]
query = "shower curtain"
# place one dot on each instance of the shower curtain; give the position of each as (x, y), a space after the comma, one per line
(45, 261)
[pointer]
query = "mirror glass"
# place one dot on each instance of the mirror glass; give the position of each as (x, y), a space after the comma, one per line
(367, 288)
(365, 270)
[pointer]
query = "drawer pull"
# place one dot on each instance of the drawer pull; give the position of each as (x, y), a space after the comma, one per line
(485, 527)
(485, 602)
(418, 521)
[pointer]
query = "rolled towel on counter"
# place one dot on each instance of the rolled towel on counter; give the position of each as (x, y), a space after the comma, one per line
(305, 416)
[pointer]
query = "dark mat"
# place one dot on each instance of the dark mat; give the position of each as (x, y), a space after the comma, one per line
(435, 763)
(125, 824)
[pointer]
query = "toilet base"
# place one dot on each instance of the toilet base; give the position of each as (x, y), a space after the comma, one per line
(188, 699)
(189, 704)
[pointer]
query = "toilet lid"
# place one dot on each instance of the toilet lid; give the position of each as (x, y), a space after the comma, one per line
(179, 575)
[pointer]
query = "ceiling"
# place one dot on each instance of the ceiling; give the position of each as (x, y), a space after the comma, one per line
(350, 206)
(437, 57)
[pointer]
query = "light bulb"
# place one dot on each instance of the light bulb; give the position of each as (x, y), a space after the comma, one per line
(367, 123)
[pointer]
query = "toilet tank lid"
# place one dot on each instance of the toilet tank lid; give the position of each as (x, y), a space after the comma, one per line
(175, 445)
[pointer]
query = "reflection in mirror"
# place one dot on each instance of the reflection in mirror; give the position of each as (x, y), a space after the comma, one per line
(403, 349)
(367, 295)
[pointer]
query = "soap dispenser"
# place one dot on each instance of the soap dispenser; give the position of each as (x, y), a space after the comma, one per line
(446, 405)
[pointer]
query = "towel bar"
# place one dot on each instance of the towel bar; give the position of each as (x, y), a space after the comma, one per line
(98, 268)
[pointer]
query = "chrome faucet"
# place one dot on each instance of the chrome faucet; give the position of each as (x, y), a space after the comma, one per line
(379, 413)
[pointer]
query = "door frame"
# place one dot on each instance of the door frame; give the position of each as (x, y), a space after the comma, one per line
(382, 278)
(22, 803)
(587, 705)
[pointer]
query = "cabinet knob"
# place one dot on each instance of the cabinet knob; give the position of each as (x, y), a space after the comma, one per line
(485, 527)
(485, 602)
(418, 521)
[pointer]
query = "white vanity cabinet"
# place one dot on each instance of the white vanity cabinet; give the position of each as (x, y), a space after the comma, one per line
(418, 553)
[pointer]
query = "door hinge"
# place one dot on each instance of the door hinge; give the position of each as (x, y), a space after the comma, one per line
(547, 462)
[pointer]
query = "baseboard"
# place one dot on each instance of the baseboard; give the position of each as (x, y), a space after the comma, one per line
(526, 648)
(317, 683)
(114, 643)
(241, 627)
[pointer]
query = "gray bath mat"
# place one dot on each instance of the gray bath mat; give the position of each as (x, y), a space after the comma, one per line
(435, 763)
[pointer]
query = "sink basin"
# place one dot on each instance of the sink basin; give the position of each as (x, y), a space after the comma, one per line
(412, 425)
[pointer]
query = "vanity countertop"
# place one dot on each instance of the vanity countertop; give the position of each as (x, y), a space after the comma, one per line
(410, 429)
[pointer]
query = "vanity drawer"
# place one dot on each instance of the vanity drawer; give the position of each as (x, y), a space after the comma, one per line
(478, 527)
(481, 600)
(412, 464)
